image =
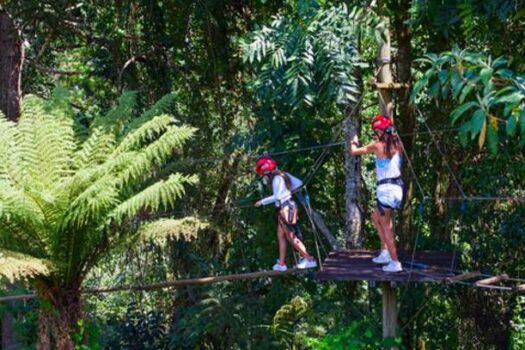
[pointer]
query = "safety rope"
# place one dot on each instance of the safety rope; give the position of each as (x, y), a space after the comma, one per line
(454, 177)
(305, 202)
(456, 181)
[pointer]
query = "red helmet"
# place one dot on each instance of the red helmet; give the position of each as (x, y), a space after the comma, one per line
(265, 165)
(381, 122)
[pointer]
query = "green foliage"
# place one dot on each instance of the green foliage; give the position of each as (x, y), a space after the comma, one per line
(518, 325)
(480, 83)
(358, 335)
(67, 199)
(310, 59)
(86, 331)
(311, 55)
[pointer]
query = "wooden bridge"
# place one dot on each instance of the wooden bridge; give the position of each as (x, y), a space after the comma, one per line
(357, 265)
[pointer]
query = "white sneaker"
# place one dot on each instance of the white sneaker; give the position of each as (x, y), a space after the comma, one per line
(279, 267)
(393, 266)
(306, 264)
(383, 257)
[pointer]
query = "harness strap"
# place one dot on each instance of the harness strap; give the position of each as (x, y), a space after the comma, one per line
(393, 181)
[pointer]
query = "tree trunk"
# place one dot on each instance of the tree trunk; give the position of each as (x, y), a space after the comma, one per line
(11, 59)
(407, 121)
(220, 214)
(8, 336)
(9, 341)
(60, 311)
(352, 167)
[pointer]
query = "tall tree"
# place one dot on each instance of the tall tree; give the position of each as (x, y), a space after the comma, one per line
(11, 60)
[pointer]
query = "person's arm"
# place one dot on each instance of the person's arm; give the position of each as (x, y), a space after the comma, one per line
(278, 185)
(357, 150)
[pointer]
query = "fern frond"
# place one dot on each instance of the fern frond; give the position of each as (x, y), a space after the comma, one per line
(17, 207)
(155, 154)
(159, 195)
(163, 229)
(146, 132)
(46, 144)
(162, 106)
(9, 151)
(17, 266)
(95, 150)
(118, 117)
(93, 203)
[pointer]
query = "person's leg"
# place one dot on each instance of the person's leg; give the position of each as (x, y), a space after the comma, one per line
(297, 244)
(387, 225)
(281, 237)
(376, 215)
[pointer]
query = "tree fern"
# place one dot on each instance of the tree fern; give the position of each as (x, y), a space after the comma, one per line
(67, 199)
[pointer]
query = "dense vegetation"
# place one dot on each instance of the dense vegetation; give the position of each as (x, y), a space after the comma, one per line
(131, 158)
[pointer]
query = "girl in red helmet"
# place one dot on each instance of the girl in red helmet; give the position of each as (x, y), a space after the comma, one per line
(389, 194)
(283, 184)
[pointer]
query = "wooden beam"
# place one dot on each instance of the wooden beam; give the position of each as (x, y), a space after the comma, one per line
(492, 280)
(17, 297)
(172, 284)
(192, 281)
(463, 276)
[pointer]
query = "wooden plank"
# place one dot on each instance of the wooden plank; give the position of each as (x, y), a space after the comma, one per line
(492, 280)
(464, 276)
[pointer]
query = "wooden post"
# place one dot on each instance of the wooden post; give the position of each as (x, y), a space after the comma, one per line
(384, 74)
(389, 311)
(386, 105)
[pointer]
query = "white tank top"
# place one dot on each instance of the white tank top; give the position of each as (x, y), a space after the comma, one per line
(388, 168)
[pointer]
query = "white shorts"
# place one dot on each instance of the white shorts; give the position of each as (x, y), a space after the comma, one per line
(389, 196)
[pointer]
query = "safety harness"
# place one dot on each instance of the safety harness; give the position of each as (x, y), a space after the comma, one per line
(398, 181)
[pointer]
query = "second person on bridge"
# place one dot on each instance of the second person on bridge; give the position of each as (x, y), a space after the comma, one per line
(283, 184)
(389, 192)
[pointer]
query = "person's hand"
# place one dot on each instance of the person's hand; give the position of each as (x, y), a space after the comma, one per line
(258, 204)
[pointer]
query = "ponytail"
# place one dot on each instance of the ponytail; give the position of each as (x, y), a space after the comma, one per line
(392, 142)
